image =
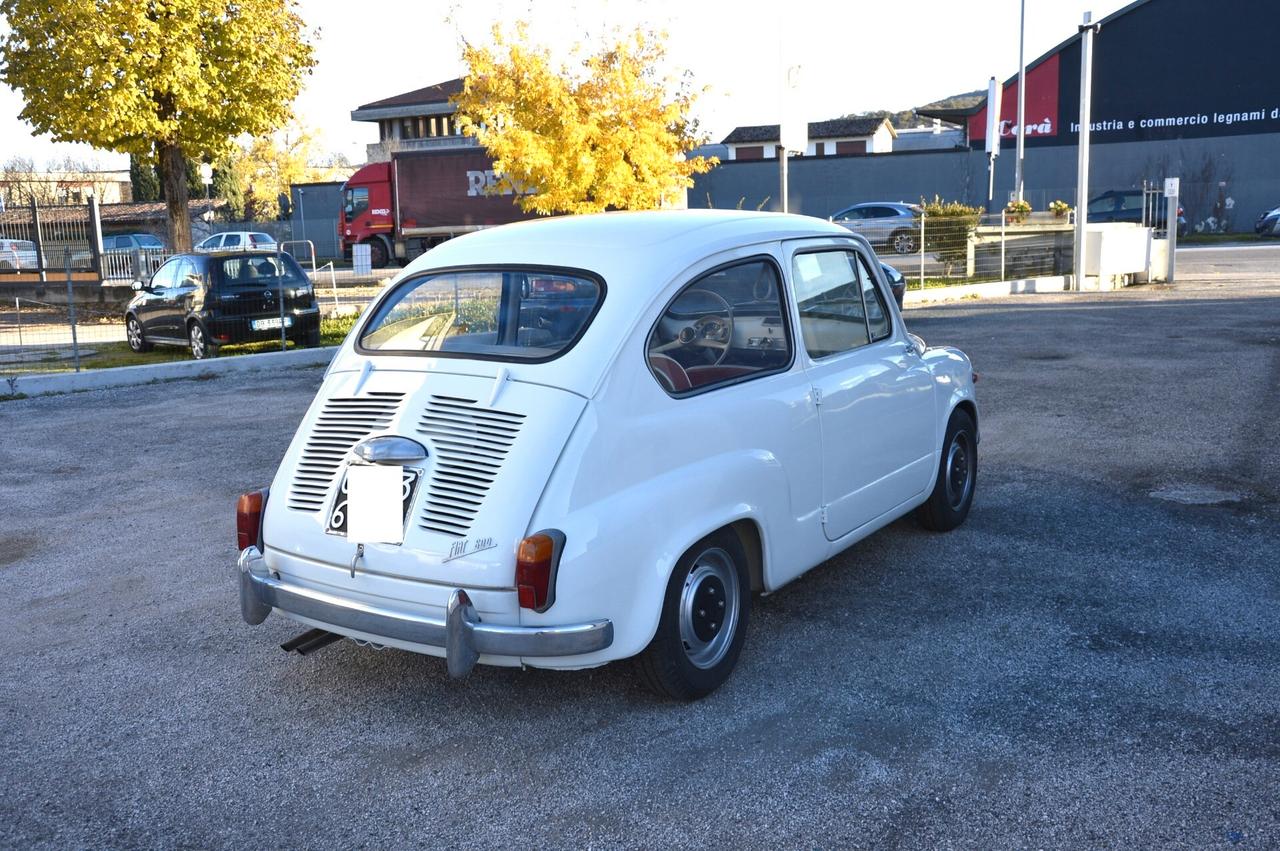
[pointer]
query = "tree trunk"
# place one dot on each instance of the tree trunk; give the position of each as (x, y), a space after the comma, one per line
(173, 173)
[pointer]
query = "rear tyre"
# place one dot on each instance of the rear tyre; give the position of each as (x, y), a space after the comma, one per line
(378, 255)
(948, 505)
(133, 332)
(904, 242)
(201, 348)
(704, 621)
(312, 338)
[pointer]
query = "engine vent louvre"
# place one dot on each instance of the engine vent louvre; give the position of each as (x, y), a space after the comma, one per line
(469, 444)
(343, 422)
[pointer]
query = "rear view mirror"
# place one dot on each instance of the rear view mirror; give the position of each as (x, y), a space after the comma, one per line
(138, 287)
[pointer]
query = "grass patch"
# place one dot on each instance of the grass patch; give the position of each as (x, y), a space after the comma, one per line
(1212, 238)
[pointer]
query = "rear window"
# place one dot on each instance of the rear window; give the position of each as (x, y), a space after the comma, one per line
(257, 270)
(509, 314)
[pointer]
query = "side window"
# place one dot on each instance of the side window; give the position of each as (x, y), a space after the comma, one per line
(877, 314)
(188, 273)
(852, 214)
(829, 296)
(727, 326)
(166, 276)
(231, 240)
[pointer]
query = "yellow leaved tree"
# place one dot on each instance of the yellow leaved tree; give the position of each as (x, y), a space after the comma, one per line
(612, 134)
(162, 79)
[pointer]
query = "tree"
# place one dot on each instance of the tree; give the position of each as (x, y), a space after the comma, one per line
(23, 183)
(162, 79)
(613, 135)
(143, 179)
(267, 166)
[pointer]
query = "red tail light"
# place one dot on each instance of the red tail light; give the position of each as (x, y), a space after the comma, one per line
(536, 561)
(249, 518)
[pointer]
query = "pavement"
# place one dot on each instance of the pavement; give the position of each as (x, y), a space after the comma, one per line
(1089, 661)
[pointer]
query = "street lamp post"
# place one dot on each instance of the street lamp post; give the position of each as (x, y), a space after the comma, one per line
(1087, 31)
(1022, 99)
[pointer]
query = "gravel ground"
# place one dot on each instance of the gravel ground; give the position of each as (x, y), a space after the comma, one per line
(1091, 660)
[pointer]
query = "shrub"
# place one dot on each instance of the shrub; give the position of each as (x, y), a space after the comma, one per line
(947, 229)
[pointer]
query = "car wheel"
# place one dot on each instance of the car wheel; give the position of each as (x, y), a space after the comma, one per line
(133, 332)
(201, 348)
(703, 623)
(952, 496)
(312, 339)
(904, 242)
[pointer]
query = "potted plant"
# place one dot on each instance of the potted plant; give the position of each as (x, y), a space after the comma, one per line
(1017, 211)
(1059, 209)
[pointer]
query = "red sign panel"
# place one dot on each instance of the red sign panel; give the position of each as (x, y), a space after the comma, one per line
(1042, 106)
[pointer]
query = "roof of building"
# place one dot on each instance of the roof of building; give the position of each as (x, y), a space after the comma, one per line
(835, 128)
(439, 93)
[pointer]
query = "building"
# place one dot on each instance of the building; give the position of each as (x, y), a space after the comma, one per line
(1181, 88)
(936, 136)
(60, 186)
(837, 137)
(414, 121)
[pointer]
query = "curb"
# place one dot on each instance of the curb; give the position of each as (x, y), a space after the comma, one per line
(125, 376)
(993, 289)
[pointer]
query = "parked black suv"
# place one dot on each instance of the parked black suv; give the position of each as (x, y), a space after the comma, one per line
(209, 300)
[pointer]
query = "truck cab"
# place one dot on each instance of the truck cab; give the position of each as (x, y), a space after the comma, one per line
(367, 213)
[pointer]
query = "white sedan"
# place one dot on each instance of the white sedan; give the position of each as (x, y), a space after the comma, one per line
(575, 440)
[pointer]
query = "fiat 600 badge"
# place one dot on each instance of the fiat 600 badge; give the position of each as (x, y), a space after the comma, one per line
(571, 441)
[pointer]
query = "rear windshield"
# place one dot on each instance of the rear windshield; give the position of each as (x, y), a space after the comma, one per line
(526, 314)
(257, 270)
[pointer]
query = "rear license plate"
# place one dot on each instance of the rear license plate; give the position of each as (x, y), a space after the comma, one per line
(337, 522)
(268, 324)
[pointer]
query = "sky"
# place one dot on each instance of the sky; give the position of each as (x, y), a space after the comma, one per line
(853, 56)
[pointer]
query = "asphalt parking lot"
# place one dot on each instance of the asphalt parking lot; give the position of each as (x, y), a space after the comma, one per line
(1092, 660)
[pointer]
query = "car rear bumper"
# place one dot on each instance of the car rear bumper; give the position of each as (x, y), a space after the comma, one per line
(460, 634)
(239, 329)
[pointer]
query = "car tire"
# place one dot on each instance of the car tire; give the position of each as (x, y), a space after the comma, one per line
(948, 505)
(694, 649)
(904, 242)
(133, 333)
(312, 338)
(198, 340)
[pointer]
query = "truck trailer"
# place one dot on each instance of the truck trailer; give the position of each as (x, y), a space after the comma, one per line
(404, 207)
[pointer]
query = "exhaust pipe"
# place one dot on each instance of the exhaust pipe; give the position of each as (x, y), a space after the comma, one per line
(310, 641)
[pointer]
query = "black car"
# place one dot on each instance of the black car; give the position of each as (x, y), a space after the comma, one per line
(1268, 223)
(1126, 205)
(897, 283)
(205, 301)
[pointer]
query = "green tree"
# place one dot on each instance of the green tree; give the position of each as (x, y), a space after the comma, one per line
(612, 134)
(143, 177)
(161, 79)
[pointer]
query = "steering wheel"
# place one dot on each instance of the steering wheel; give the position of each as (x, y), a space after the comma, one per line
(710, 331)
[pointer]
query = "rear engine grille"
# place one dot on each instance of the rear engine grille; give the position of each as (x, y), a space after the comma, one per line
(470, 443)
(344, 422)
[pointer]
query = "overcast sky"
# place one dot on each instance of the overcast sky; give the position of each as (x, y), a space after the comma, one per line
(854, 56)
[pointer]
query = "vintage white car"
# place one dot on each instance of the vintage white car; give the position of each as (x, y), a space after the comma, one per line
(576, 440)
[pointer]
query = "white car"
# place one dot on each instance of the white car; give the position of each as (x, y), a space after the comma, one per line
(236, 240)
(17, 254)
(576, 440)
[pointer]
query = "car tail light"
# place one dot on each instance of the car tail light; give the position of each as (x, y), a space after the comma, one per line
(536, 560)
(249, 518)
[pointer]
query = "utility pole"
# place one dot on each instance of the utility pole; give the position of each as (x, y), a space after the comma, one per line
(1087, 31)
(1022, 99)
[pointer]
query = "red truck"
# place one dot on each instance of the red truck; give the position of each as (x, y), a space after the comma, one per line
(404, 207)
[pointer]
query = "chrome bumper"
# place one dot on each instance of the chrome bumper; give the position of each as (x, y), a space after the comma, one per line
(461, 634)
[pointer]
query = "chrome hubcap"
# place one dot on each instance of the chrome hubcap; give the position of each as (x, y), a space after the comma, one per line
(959, 471)
(709, 605)
(904, 244)
(134, 332)
(197, 341)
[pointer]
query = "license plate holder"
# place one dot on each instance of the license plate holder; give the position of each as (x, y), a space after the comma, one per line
(270, 323)
(336, 522)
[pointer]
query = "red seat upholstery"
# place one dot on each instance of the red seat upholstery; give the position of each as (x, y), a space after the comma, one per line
(670, 373)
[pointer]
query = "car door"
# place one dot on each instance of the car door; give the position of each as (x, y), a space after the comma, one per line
(230, 240)
(152, 313)
(186, 288)
(851, 218)
(879, 224)
(875, 396)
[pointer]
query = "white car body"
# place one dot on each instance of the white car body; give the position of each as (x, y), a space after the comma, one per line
(805, 461)
(237, 240)
(17, 254)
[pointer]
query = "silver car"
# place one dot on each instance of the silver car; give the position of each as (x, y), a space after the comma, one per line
(890, 224)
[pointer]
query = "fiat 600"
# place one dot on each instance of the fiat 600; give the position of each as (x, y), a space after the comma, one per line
(566, 442)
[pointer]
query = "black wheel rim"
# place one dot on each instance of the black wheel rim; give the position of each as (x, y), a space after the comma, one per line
(959, 471)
